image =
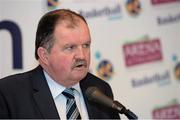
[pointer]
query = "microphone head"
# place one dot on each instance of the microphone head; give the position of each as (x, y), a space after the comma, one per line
(90, 92)
(95, 95)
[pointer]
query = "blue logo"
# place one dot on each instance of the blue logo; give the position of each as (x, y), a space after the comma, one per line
(15, 33)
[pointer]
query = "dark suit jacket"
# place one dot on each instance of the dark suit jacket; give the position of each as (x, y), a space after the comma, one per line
(27, 95)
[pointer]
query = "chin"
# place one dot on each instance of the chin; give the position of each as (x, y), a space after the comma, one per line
(80, 76)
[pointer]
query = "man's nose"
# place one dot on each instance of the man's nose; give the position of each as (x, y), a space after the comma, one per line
(80, 53)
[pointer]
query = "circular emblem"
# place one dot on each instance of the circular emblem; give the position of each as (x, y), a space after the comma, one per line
(52, 4)
(177, 71)
(133, 7)
(105, 70)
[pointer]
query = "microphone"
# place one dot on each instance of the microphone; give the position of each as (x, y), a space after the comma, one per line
(95, 95)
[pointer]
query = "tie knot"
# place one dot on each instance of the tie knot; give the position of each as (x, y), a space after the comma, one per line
(68, 93)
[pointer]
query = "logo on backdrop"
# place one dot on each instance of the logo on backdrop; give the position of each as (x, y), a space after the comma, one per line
(133, 7)
(52, 4)
(112, 12)
(176, 66)
(159, 78)
(105, 69)
(157, 2)
(16, 36)
(170, 18)
(170, 111)
(177, 71)
(141, 52)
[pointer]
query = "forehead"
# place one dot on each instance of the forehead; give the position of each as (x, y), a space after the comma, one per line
(65, 31)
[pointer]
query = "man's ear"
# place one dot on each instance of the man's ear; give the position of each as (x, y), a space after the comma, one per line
(43, 54)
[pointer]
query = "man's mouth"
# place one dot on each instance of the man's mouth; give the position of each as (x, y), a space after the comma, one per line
(80, 64)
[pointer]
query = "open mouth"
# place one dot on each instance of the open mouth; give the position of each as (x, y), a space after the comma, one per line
(79, 66)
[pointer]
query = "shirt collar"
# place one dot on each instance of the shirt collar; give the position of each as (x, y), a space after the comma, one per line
(57, 88)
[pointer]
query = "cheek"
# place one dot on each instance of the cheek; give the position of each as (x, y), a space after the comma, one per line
(58, 60)
(88, 57)
(61, 63)
(65, 63)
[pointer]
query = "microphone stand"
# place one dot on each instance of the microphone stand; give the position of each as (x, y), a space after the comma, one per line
(122, 110)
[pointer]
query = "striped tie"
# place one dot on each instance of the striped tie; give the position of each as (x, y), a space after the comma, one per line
(72, 111)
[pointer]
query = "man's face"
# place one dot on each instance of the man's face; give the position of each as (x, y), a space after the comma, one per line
(69, 58)
(177, 73)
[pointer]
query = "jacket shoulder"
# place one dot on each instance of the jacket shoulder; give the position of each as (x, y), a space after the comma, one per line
(16, 80)
(94, 80)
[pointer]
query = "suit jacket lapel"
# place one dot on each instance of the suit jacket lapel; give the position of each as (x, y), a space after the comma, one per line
(42, 95)
(88, 106)
(92, 111)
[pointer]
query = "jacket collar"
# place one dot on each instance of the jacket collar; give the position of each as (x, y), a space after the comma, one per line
(42, 94)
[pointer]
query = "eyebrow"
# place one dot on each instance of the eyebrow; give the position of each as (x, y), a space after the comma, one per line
(89, 41)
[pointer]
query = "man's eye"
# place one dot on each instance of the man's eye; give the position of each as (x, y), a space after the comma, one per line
(70, 47)
(86, 45)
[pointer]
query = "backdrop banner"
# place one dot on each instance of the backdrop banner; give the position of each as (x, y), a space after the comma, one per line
(135, 47)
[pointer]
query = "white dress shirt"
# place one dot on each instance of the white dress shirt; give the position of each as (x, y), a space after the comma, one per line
(60, 100)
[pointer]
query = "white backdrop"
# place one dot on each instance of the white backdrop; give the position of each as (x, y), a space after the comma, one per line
(136, 52)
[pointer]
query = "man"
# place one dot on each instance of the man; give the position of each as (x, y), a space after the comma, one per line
(63, 51)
